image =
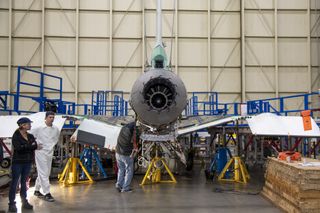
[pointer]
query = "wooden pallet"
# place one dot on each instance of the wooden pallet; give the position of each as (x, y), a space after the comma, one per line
(292, 187)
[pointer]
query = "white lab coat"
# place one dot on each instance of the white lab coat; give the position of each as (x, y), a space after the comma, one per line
(48, 137)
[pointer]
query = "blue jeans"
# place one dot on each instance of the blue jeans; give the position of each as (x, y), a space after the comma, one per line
(125, 171)
(19, 170)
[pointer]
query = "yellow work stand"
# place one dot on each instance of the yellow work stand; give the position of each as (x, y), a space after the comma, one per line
(70, 174)
(240, 172)
(153, 173)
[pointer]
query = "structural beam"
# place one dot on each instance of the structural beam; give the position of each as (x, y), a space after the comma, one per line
(243, 51)
(276, 60)
(110, 44)
(9, 50)
(76, 89)
(209, 45)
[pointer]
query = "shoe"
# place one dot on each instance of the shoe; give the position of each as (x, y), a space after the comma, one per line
(118, 188)
(12, 208)
(38, 194)
(26, 205)
(48, 198)
(127, 190)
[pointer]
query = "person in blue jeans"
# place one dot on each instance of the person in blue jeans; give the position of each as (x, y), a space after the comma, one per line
(124, 155)
(23, 145)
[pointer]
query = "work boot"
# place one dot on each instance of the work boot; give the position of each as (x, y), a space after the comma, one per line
(26, 205)
(126, 190)
(48, 197)
(12, 207)
(38, 194)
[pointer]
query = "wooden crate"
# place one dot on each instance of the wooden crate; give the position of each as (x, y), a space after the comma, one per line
(292, 187)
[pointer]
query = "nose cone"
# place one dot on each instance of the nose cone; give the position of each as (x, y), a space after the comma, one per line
(158, 97)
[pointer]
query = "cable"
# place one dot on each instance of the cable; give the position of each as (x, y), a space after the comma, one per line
(232, 191)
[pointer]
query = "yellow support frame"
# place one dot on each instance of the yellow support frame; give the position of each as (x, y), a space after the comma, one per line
(241, 174)
(70, 175)
(153, 173)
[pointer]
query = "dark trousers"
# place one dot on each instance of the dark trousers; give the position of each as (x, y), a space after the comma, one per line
(19, 171)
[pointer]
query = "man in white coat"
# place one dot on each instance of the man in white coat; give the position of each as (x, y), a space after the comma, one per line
(47, 135)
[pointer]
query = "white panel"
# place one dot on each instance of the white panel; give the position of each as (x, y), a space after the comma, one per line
(190, 5)
(23, 50)
(26, 76)
(292, 24)
(66, 4)
(195, 79)
(315, 23)
(221, 50)
(259, 24)
(315, 4)
(293, 79)
(254, 55)
(93, 79)
(259, 4)
(293, 52)
(3, 78)
(4, 44)
(224, 25)
(129, 27)
(225, 5)
(25, 4)
(63, 51)
(293, 103)
(56, 23)
(94, 24)
(95, 4)
(192, 52)
(257, 96)
(123, 79)
(229, 98)
(166, 4)
(4, 4)
(125, 4)
(226, 80)
(292, 4)
(4, 23)
(127, 53)
(100, 48)
(85, 98)
(29, 26)
(315, 79)
(315, 52)
(67, 74)
(195, 21)
(28, 104)
(150, 20)
(260, 79)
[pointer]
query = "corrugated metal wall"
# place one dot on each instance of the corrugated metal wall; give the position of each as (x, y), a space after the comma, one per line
(243, 49)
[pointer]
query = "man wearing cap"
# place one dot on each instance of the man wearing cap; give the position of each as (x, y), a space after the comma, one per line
(23, 146)
(48, 135)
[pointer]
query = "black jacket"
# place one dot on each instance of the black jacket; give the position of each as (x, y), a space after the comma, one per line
(125, 143)
(23, 150)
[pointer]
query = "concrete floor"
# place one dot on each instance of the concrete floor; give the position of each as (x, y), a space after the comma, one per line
(192, 193)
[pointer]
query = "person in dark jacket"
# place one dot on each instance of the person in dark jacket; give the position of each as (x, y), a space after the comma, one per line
(23, 146)
(124, 155)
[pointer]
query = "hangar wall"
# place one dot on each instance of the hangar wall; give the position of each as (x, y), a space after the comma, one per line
(243, 49)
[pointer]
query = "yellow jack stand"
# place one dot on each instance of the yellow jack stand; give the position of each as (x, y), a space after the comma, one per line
(70, 175)
(153, 173)
(239, 170)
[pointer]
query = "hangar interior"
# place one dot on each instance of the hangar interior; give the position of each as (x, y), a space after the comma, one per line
(250, 94)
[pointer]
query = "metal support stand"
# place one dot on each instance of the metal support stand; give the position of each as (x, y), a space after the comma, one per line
(70, 174)
(87, 157)
(154, 171)
(239, 170)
